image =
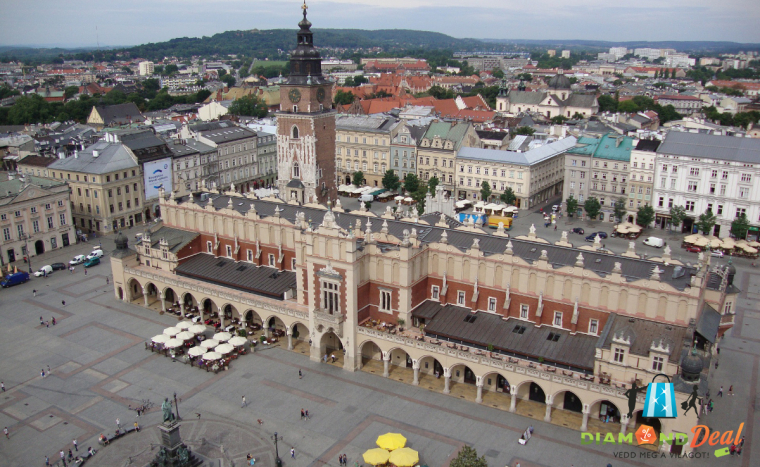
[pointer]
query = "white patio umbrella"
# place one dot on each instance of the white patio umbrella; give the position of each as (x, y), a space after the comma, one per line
(160, 339)
(184, 324)
(171, 332)
(196, 351)
(172, 343)
(237, 341)
(224, 348)
(209, 343)
(634, 228)
(211, 356)
(185, 335)
(197, 328)
(222, 336)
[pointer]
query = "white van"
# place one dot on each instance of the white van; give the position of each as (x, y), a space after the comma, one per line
(95, 254)
(44, 271)
(366, 198)
(655, 242)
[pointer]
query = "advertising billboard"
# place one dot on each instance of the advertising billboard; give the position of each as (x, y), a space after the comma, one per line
(157, 174)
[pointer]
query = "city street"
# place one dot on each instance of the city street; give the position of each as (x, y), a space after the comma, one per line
(99, 368)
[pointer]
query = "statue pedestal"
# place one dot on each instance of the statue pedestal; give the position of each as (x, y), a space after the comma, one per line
(170, 437)
(172, 452)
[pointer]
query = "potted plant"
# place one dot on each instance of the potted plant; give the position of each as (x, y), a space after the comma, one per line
(490, 350)
(401, 323)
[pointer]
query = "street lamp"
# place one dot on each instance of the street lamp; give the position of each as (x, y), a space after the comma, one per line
(277, 460)
(25, 238)
(176, 406)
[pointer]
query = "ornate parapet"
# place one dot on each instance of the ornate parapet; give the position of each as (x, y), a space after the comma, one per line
(328, 321)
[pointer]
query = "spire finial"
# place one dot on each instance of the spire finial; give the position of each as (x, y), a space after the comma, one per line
(304, 8)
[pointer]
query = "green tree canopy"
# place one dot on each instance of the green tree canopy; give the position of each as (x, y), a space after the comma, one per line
(592, 207)
(485, 190)
(508, 197)
(440, 93)
(70, 92)
(468, 457)
(432, 183)
(497, 73)
(344, 97)
(706, 221)
(572, 205)
(358, 179)
(390, 180)
(740, 226)
(250, 106)
(524, 130)
(607, 103)
(229, 80)
(677, 215)
(645, 216)
(411, 183)
(620, 209)
(525, 77)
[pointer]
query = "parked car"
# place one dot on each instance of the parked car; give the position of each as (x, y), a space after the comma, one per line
(602, 235)
(44, 270)
(95, 254)
(716, 253)
(15, 279)
(654, 241)
(578, 230)
(78, 259)
(94, 261)
(58, 266)
(591, 237)
(694, 249)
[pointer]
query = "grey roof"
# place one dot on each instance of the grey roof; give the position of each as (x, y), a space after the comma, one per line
(182, 148)
(531, 157)
(14, 187)
(581, 100)
(225, 135)
(206, 126)
(708, 323)
(526, 97)
(175, 238)
(642, 333)
(600, 263)
(366, 123)
(120, 114)
(141, 139)
(488, 134)
(490, 329)
(111, 158)
(728, 148)
(294, 183)
(260, 280)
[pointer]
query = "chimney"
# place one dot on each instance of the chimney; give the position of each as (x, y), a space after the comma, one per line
(95, 154)
(76, 155)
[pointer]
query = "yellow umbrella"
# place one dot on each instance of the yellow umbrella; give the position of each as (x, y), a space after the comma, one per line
(391, 441)
(404, 457)
(376, 456)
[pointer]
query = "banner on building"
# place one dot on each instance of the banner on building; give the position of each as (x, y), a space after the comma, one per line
(158, 174)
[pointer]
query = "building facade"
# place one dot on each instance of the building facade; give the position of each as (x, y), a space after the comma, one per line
(35, 217)
(267, 160)
(437, 150)
(515, 319)
(107, 187)
(236, 156)
(194, 164)
(363, 144)
(641, 186)
(702, 172)
(404, 141)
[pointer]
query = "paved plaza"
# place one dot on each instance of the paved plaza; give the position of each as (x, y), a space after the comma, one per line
(99, 368)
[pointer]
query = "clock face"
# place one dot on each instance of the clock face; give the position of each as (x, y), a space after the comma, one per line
(294, 95)
(321, 94)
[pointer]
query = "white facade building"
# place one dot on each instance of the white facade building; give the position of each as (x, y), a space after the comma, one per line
(708, 172)
(146, 68)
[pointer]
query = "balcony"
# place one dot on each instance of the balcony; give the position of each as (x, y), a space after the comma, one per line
(329, 320)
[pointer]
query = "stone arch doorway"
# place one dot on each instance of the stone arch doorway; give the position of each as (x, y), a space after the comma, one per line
(461, 373)
(299, 338)
(330, 344)
(605, 412)
(567, 400)
(253, 320)
(171, 299)
(229, 313)
(276, 327)
(431, 372)
(348, 179)
(135, 291)
(190, 303)
(653, 422)
(209, 309)
(370, 353)
(39, 247)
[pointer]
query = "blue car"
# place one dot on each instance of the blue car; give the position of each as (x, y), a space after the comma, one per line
(591, 237)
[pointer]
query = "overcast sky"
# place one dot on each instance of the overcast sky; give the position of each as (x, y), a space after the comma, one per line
(131, 22)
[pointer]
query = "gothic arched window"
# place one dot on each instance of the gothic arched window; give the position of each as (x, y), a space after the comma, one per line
(294, 132)
(296, 171)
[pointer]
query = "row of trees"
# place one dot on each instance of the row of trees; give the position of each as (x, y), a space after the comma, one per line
(645, 215)
(639, 103)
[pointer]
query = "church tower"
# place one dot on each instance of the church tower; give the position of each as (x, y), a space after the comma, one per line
(306, 126)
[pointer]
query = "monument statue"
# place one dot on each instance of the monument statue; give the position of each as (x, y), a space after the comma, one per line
(166, 407)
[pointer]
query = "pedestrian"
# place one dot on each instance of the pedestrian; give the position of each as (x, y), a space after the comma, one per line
(720, 391)
(732, 449)
(76, 446)
(2, 386)
(300, 375)
(324, 359)
(63, 302)
(34, 292)
(244, 403)
(731, 390)
(63, 457)
(5, 430)
(85, 271)
(47, 461)
(41, 321)
(717, 350)
(49, 369)
(199, 415)
(137, 427)
(42, 372)
(118, 424)
(712, 405)
(71, 455)
(333, 357)
(345, 459)
(293, 453)
(303, 414)
(106, 280)
(555, 226)
(741, 442)
(53, 320)
(340, 459)
(307, 414)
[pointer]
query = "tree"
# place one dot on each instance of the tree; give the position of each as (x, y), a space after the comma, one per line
(645, 216)
(607, 103)
(525, 77)
(578, 116)
(559, 119)
(485, 190)
(677, 215)
(229, 80)
(127, 70)
(706, 221)
(70, 92)
(620, 209)
(411, 183)
(740, 226)
(627, 106)
(572, 205)
(390, 180)
(525, 130)
(508, 196)
(250, 106)
(358, 178)
(344, 97)
(468, 457)
(432, 183)
(497, 73)
(440, 93)
(592, 207)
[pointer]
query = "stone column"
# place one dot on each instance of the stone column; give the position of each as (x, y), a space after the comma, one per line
(446, 381)
(479, 397)
(289, 332)
(584, 425)
(182, 308)
(416, 368)
(145, 297)
(513, 402)
(623, 423)
(548, 416)
(163, 302)
(386, 364)
(221, 319)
